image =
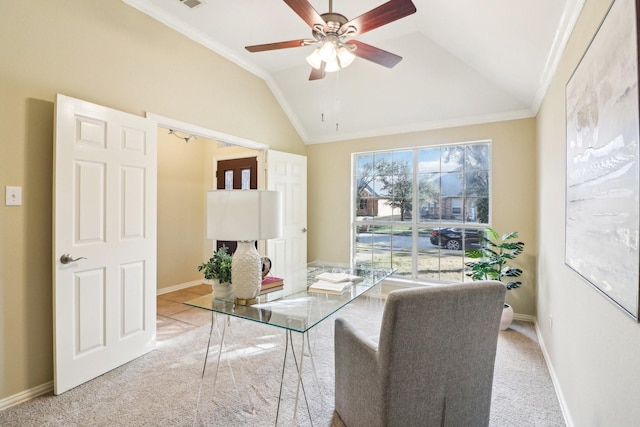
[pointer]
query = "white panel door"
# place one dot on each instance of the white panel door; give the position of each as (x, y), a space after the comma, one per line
(287, 173)
(104, 289)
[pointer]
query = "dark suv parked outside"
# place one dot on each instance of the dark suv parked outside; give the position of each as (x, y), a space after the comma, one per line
(451, 238)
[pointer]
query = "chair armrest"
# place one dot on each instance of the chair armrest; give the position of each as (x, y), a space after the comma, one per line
(357, 383)
(354, 337)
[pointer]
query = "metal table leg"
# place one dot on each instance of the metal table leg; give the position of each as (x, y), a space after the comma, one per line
(300, 382)
(221, 349)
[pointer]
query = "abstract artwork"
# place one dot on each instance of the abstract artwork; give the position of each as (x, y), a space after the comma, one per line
(602, 194)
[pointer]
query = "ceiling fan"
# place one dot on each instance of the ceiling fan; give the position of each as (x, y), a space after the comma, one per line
(332, 32)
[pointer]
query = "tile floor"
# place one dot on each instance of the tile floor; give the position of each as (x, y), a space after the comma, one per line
(175, 318)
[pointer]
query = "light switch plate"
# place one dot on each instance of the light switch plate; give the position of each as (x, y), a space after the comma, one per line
(13, 196)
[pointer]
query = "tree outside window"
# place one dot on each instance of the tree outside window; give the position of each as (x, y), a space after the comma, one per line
(406, 195)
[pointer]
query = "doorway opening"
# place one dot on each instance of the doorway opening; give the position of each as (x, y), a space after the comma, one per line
(186, 171)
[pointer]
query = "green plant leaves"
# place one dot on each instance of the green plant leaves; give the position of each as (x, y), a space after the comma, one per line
(492, 258)
(493, 235)
(218, 266)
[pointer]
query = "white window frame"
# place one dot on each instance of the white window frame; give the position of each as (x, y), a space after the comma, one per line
(414, 223)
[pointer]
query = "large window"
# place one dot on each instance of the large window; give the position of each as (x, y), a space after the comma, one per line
(417, 210)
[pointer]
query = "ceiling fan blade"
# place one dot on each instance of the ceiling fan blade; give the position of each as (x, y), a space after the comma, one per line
(278, 45)
(317, 73)
(373, 54)
(381, 15)
(305, 11)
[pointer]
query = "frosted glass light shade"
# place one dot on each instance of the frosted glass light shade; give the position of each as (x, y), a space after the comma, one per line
(314, 59)
(345, 56)
(328, 50)
(332, 66)
(244, 214)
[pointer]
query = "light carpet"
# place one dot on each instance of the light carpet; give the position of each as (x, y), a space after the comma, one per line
(165, 387)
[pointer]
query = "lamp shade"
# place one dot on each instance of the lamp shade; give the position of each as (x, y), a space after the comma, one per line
(244, 215)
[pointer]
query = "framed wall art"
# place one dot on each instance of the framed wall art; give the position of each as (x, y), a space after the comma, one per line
(602, 182)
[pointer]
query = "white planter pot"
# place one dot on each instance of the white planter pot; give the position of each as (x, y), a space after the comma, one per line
(507, 317)
(220, 290)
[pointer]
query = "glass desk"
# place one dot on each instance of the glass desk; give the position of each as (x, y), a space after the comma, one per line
(298, 312)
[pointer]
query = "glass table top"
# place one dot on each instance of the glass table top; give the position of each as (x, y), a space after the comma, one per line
(303, 310)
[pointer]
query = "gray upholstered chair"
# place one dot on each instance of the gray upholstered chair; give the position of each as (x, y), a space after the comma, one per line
(433, 363)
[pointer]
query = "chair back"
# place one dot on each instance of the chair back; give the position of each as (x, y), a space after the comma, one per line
(437, 351)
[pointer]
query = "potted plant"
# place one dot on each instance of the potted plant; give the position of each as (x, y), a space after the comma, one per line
(218, 270)
(490, 263)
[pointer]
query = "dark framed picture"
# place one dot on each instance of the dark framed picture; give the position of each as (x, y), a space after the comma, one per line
(602, 182)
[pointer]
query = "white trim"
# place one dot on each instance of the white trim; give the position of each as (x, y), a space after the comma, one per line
(179, 286)
(572, 11)
(288, 109)
(568, 20)
(554, 380)
(23, 396)
(524, 317)
(424, 126)
(169, 123)
(197, 36)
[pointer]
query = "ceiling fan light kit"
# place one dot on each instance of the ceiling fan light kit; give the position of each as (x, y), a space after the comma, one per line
(331, 30)
(335, 54)
(329, 49)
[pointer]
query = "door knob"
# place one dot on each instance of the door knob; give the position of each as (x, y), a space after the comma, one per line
(68, 259)
(304, 229)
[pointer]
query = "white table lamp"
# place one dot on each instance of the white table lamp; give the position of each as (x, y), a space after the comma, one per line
(244, 216)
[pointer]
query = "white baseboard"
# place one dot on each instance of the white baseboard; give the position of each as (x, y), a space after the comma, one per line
(23, 396)
(179, 286)
(554, 379)
(524, 317)
(47, 387)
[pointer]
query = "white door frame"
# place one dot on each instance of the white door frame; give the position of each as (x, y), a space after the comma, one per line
(189, 128)
(192, 129)
(177, 125)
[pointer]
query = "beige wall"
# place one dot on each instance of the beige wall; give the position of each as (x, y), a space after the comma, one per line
(513, 190)
(106, 52)
(593, 346)
(182, 183)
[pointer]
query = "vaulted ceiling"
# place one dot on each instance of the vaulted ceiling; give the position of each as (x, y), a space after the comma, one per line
(464, 61)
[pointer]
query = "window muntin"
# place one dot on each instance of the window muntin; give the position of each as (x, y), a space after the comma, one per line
(394, 225)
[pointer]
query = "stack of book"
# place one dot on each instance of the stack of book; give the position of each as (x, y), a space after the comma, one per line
(332, 283)
(271, 284)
